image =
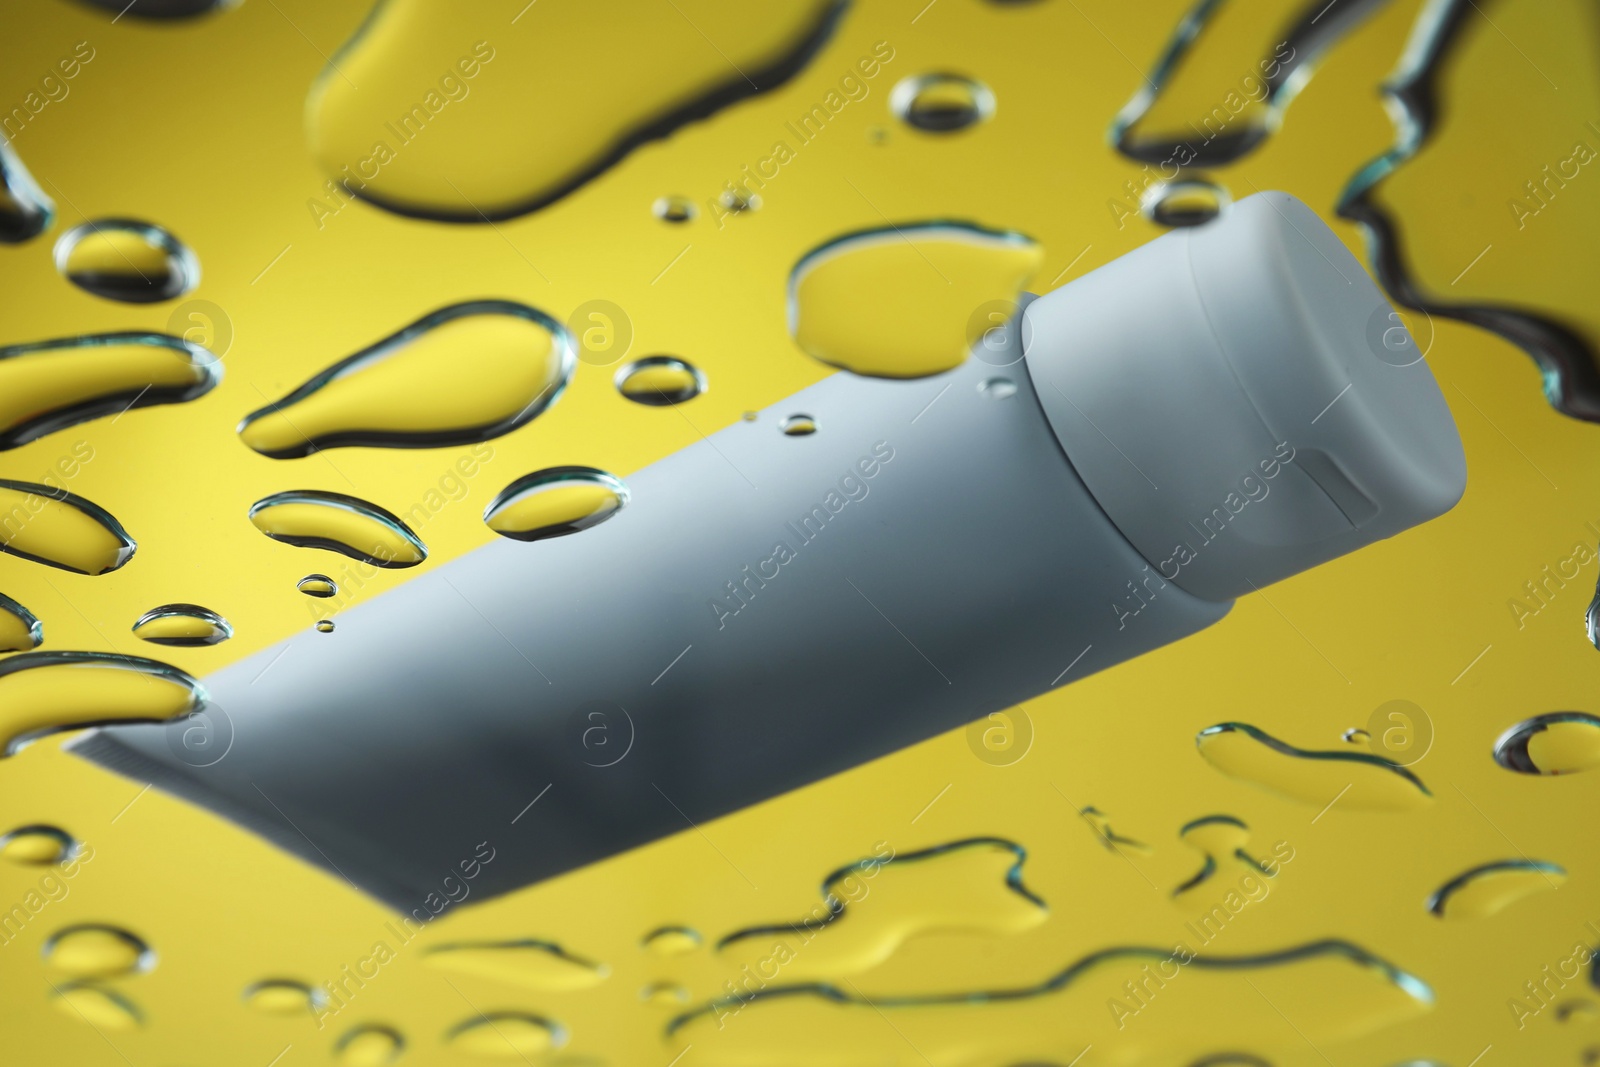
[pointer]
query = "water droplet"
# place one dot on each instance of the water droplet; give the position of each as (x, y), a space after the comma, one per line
(96, 1006)
(665, 994)
(1113, 841)
(37, 846)
(25, 212)
(1583, 1010)
(1562, 742)
(318, 585)
(283, 996)
(555, 502)
(19, 629)
(519, 141)
(127, 260)
(941, 103)
(463, 374)
(671, 940)
(905, 301)
(61, 529)
(675, 209)
(369, 1046)
(1529, 290)
(310, 518)
(739, 201)
(998, 388)
(47, 692)
(1357, 736)
(871, 907)
(506, 1035)
(798, 425)
(1190, 202)
(1266, 65)
(182, 625)
(536, 965)
(165, 9)
(1348, 992)
(94, 950)
(1363, 781)
(657, 381)
(47, 386)
(1482, 891)
(750, 416)
(1218, 837)
(324, 626)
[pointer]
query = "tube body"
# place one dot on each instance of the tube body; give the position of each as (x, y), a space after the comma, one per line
(768, 610)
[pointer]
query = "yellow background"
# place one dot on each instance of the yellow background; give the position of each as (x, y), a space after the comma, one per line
(200, 126)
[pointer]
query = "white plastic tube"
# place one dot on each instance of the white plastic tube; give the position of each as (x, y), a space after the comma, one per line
(770, 610)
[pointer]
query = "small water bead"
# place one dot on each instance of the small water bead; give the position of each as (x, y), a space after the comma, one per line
(1188, 202)
(369, 1046)
(25, 212)
(62, 530)
(19, 629)
(126, 260)
(998, 388)
(1357, 736)
(43, 693)
(798, 425)
(506, 1035)
(461, 375)
(94, 950)
(739, 201)
(283, 996)
(311, 518)
(671, 940)
(324, 626)
(47, 386)
(941, 103)
(555, 502)
(182, 626)
(1561, 742)
(37, 845)
(318, 585)
(96, 1006)
(907, 300)
(676, 209)
(665, 994)
(659, 381)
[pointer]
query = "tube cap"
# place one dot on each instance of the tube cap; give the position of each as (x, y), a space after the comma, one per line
(1242, 400)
